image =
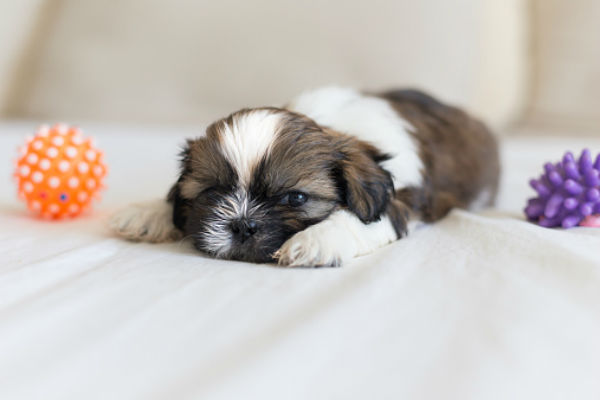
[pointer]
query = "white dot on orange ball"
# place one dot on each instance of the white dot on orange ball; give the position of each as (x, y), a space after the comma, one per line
(83, 167)
(62, 129)
(52, 152)
(82, 196)
(24, 170)
(91, 184)
(73, 208)
(54, 182)
(36, 205)
(53, 208)
(37, 145)
(71, 152)
(58, 141)
(28, 187)
(63, 166)
(90, 155)
(45, 164)
(32, 158)
(37, 177)
(43, 131)
(97, 170)
(73, 182)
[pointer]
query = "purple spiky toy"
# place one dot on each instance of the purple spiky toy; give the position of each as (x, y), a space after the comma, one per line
(568, 193)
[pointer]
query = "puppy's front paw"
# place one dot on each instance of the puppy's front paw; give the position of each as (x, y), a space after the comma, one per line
(147, 222)
(312, 247)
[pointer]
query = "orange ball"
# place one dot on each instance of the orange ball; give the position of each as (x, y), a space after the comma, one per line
(59, 172)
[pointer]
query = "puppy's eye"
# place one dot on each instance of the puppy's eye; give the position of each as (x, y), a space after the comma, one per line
(294, 199)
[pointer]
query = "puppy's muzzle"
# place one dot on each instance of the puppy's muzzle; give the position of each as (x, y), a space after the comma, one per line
(243, 228)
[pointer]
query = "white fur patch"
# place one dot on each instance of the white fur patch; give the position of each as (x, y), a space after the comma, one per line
(370, 119)
(148, 222)
(248, 140)
(335, 240)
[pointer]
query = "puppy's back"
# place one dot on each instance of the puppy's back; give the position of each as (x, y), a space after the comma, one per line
(459, 153)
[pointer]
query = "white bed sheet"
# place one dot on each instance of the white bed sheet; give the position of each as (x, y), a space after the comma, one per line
(478, 306)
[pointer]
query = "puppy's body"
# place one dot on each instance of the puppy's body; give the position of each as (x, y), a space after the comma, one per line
(335, 174)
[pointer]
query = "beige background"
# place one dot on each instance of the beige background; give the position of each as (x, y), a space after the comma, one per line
(19, 20)
(149, 60)
(530, 62)
(566, 79)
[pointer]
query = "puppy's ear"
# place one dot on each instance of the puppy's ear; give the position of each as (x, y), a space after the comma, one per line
(366, 187)
(180, 204)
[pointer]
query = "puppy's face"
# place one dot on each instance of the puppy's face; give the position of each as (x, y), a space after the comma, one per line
(261, 175)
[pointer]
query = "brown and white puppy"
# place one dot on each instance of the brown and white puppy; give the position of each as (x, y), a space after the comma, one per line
(335, 174)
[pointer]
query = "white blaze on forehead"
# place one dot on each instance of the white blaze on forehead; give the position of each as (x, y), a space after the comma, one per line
(248, 139)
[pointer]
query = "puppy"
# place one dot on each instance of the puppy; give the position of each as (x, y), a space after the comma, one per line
(335, 174)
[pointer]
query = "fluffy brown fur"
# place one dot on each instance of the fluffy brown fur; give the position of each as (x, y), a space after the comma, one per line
(459, 153)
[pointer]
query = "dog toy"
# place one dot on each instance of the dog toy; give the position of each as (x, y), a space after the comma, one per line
(59, 171)
(568, 193)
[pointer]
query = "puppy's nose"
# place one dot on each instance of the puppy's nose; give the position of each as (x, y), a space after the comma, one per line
(243, 228)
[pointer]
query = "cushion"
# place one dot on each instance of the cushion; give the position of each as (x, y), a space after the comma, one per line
(567, 64)
(148, 60)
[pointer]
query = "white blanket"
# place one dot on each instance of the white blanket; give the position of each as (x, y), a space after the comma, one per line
(477, 306)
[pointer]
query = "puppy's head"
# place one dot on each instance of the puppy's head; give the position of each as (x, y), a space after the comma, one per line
(261, 175)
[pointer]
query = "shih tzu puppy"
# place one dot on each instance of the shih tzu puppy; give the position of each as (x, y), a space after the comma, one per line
(335, 174)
